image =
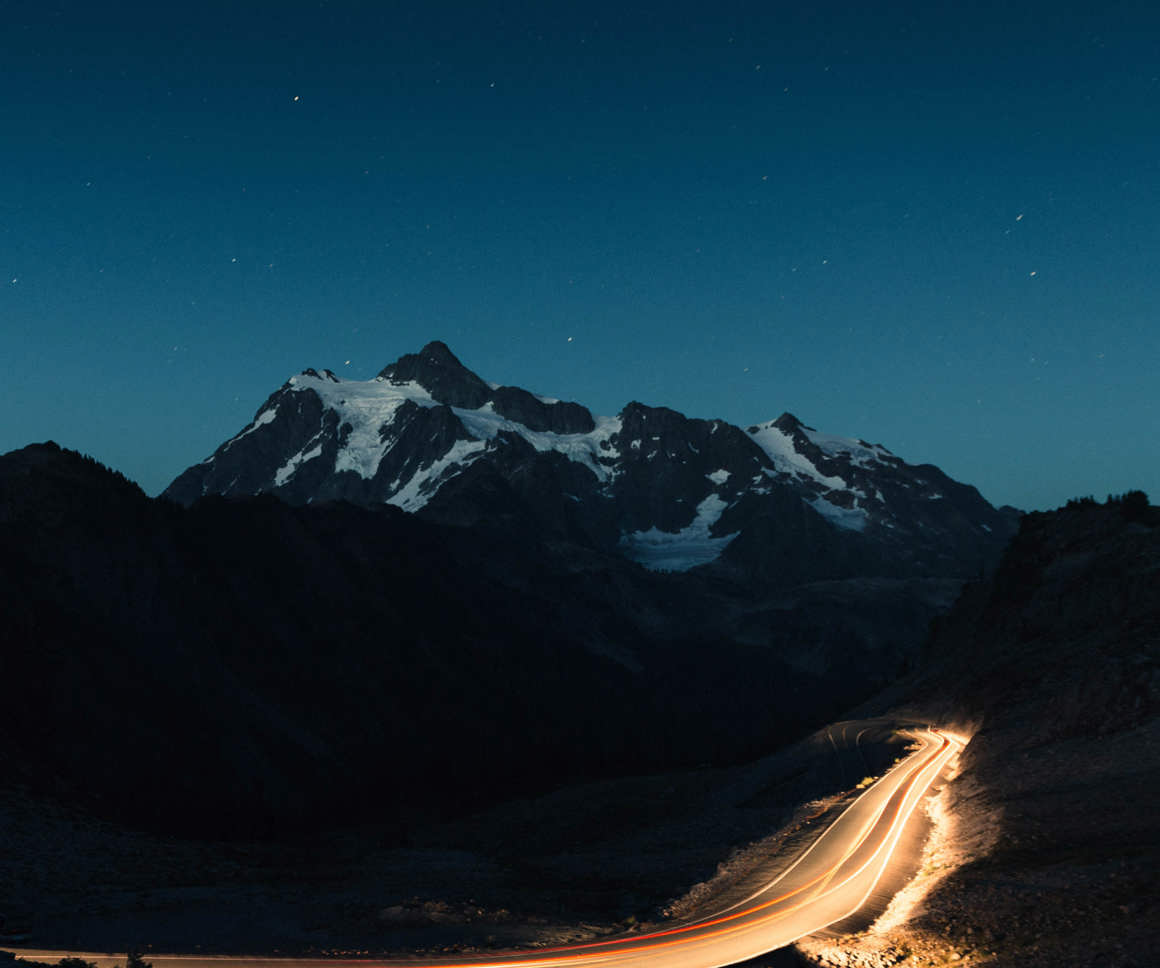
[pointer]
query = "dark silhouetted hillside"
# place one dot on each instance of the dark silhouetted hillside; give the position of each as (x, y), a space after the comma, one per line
(243, 667)
(1055, 661)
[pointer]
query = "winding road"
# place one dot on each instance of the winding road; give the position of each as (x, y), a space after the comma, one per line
(830, 881)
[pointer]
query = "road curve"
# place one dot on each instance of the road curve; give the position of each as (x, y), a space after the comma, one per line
(827, 883)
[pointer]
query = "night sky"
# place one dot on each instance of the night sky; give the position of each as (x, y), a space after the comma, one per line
(935, 226)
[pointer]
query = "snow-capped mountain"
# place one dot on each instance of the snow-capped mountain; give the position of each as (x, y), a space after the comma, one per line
(778, 500)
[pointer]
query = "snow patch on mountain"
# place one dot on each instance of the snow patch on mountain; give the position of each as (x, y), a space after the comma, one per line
(265, 417)
(286, 471)
(718, 477)
(681, 550)
(852, 519)
(779, 447)
(425, 482)
(585, 449)
(369, 406)
(860, 453)
(364, 406)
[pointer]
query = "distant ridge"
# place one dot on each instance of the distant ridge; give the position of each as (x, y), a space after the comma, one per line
(777, 502)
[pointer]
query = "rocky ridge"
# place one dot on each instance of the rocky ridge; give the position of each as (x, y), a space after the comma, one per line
(775, 503)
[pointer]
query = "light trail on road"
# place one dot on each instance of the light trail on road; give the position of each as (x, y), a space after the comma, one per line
(830, 881)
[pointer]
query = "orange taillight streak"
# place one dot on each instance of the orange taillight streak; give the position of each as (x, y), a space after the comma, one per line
(630, 944)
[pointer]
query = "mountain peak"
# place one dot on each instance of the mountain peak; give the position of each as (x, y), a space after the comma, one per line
(439, 353)
(650, 483)
(53, 468)
(438, 371)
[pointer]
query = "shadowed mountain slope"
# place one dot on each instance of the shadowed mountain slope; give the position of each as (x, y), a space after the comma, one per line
(245, 666)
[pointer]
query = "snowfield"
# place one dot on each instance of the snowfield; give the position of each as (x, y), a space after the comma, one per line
(369, 407)
(786, 460)
(680, 550)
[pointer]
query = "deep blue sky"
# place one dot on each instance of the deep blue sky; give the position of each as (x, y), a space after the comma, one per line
(933, 225)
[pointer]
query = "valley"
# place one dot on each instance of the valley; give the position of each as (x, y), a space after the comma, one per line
(431, 666)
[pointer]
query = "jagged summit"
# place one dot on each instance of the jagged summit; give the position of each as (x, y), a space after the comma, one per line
(787, 423)
(669, 491)
(438, 371)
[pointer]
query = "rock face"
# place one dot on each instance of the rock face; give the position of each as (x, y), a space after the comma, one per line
(436, 369)
(1056, 661)
(773, 504)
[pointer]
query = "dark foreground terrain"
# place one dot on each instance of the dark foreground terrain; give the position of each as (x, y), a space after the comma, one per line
(1044, 842)
(575, 864)
(248, 669)
(1053, 846)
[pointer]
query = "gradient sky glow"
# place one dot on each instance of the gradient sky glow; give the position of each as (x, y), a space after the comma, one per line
(932, 225)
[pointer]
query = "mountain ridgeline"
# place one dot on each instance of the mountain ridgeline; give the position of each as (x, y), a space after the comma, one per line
(774, 504)
(276, 645)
